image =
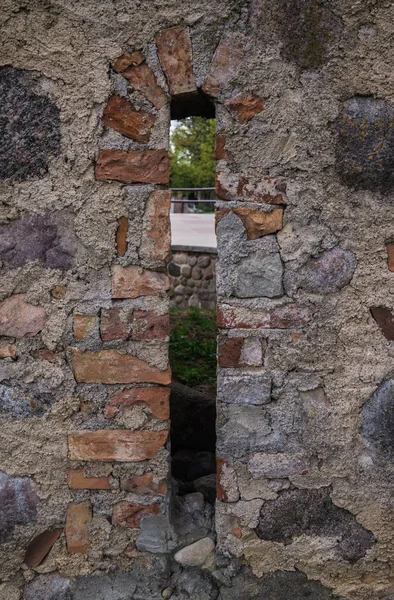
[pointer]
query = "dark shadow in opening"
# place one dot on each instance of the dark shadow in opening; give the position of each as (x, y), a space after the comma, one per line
(192, 105)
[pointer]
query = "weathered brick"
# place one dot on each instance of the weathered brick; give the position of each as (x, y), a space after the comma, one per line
(146, 166)
(142, 78)
(156, 399)
(258, 223)
(225, 64)
(149, 326)
(123, 117)
(84, 326)
(129, 515)
(18, 504)
(234, 186)
(40, 546)
(240, 352)
(19, 318)
(156, 240)
(390, 256)
(128, 59)
(113, 445)
(385, 320)
(286, 316)
(143, 485)
(121, 236)
(8, 351)
(116, 324)
(77, 480)
(220, 148)
(109, 366)
(245, 106)
(77, 534)
(175, 53)
(134, 281)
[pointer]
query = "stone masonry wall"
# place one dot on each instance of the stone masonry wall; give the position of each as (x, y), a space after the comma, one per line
(303, 92)
(192, 279)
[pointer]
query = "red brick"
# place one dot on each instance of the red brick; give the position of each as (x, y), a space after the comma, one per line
(156, 241)
(121, 236)
(156, 399)
(77, 481)
(19, 318)
(123, 117)
(116, 324)
(8, 351)
(175, 53)
(390, 256)
(220, 148)
(115, 445)
(234, 186)
(129, 515)
(258, 223)
(40, 546)
(146, 166)
(245, 106)
(149, 326)
(286, 316)
(77, 535)
(143, 485)
(225, 64)
(384, 318)
(142, 78)
(128, 60)
(84, 326)
(229, 351)
(132, 282)
(109, 366)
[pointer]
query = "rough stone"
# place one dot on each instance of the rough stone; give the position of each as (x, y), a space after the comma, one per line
(143, 485)
(112, 445)
(18, 504)
(48, 587)
(244, 389)
(19, 318)
(20, 402)
(77, 480)
(385, 320)
(312, 512)
(122, 116)
(156, 240)
(259, 275)
(40, 546)
(134, 281)
(156, 535)
(109, 366)
(129, 515)
(233, 186)
(277, 466)
(365, 144)
(45, 238)
(245, 106)
(142, 78)
(121, 236)
(287, 316)
(225, 64)
(197, 554)
(157, 400)
(378, 424)
(146, 166)
(258, 223)
(8, 351)
(175, 53)
(30, 127)
(328, 273)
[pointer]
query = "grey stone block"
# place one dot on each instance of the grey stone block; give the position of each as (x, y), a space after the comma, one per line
(244, 389)
(18, 504)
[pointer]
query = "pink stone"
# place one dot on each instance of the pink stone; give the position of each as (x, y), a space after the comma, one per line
(19, 318)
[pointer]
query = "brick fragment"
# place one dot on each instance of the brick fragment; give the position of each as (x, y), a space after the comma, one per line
(149, 326)
(229, 351)
(121, 236)
(258, 223)
(143, 485)
(113, 445)
(175, 54)
(77, 535)
(390, 256)
(123, 117)
(77, 480)
(142, 78)
(245, 106)
(109, 366)
(40, 546)
(116, 324)
(156, 399)
(225, 65)
(384, 318)
(234, 186)
(19, 318)
(134, 281)
(84, 326)
(156, 241)
(128, 59)
(220, 148)
(286, 316)
(129, 515)
(146, 166)
(8, 351)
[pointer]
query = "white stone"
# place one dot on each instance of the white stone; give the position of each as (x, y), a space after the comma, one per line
(196, 554)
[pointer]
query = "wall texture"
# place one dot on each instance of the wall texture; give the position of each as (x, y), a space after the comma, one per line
(305, 121)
